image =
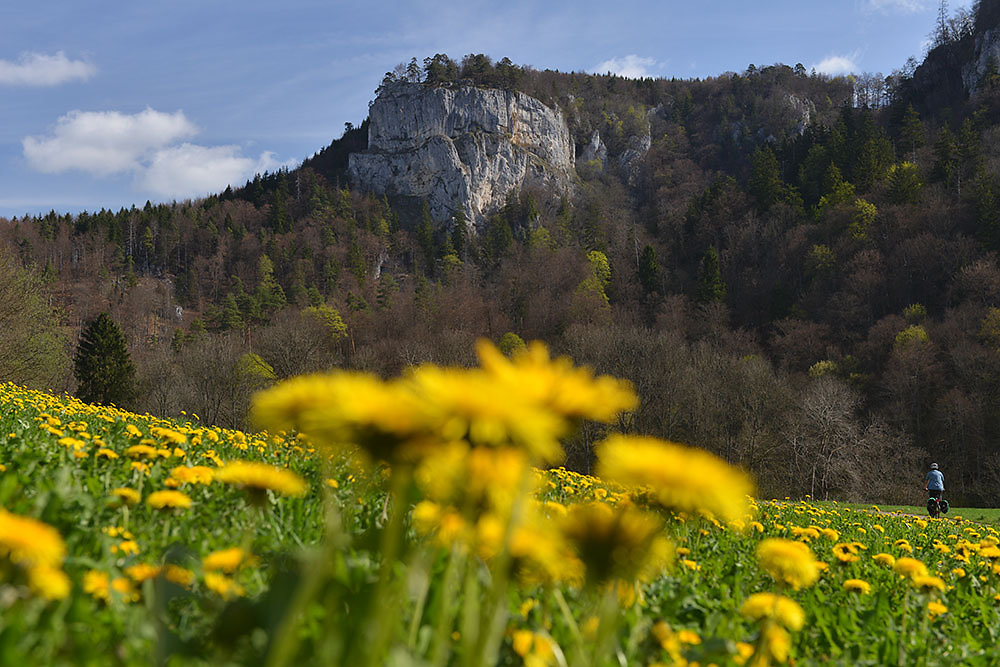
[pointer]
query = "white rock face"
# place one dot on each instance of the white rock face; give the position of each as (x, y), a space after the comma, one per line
(462, 147)
(987, 48)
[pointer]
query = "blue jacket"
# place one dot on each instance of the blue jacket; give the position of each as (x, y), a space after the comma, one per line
(935, 480)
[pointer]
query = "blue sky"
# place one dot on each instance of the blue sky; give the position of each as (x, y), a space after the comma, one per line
(108, 104)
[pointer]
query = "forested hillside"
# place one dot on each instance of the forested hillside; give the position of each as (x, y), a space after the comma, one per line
(800, 273)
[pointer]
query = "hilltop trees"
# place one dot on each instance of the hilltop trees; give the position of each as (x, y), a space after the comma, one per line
(102, 365)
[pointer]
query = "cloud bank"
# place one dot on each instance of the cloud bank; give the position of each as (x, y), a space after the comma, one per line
(837, 65)
(149, 145)
(39, 69)
(630, 66)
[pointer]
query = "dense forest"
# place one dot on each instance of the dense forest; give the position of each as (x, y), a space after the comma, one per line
(799, 274)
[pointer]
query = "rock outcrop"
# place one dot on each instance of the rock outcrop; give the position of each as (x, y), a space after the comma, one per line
(461, 148)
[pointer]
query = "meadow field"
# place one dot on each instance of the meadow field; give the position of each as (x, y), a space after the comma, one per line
(425, 521)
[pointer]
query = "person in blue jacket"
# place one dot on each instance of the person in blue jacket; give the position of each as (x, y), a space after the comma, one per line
(934, 482)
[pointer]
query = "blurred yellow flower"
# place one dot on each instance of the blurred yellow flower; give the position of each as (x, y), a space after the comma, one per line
(261, 477)
(614, 542)
(910, 567)
(884, 559)
(788, 562)
(681, 478)
(127, 495)
(29, 543)
(857, 586)
(784, 610)
(168, 500)
(226, 560)
(222, 585)
(928, 584)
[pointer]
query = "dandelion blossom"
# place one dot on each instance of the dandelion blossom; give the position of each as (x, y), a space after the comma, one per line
(784, 610)
(260, 477)
(788, 562)
(168, 500)
(681, 478)
(857, 586)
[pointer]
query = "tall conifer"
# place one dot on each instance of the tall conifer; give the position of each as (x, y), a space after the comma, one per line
(102, 366)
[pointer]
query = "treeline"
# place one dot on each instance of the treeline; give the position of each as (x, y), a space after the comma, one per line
(807, 288)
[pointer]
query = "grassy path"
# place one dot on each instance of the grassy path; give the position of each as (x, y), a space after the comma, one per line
(988, 515)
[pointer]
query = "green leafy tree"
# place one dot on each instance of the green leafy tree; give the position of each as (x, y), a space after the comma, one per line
(862, 218)
(34, 349)
(269, 293)
(912, 130)
(102, 365)
(425, 238)
(710, 285)
(945, 157)
(765, 179)
(649, 270)
(904, 183)
(510, 343)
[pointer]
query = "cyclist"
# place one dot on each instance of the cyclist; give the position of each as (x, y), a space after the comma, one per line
(934, 484)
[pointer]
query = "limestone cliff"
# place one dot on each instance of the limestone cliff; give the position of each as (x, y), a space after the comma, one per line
(461, 147)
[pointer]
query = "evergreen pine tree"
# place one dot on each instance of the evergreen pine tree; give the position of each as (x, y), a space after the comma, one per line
(649, 270)
(425, 238)
(710, 285)
(102, 366)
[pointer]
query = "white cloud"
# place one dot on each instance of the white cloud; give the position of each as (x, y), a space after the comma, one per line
(105, 142)
(40, 69)
(150, 146)
(630, 66)
(896, 6)
(189, 170)
(837, 65)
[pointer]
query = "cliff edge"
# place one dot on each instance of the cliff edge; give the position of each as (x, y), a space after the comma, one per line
(461, 147)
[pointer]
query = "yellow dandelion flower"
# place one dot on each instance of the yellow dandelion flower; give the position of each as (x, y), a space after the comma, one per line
(522, 641)
(178, 575)
(96, 584)
(125, 588)
(784, 610)
(168, 500)
(788, 561)
(681, 478)
(935, 609)
(928, 584)
(910, 567)
(192, 474)
(49, 582)
(342, 407)
(226, 560)
(612, 542)
(142, 571)
(141, 452)
(127, 495)
(857, 586)
(884, 559)
(222, 585)
(990, 551)
(846, 553)
(30, 543)
(689, 637)
(261, 477)
(128, 547)
(556, 384)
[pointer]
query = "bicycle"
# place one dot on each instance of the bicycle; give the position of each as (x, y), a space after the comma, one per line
(937, 507)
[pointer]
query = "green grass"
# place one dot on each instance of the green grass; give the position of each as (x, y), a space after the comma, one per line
(979, 514)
